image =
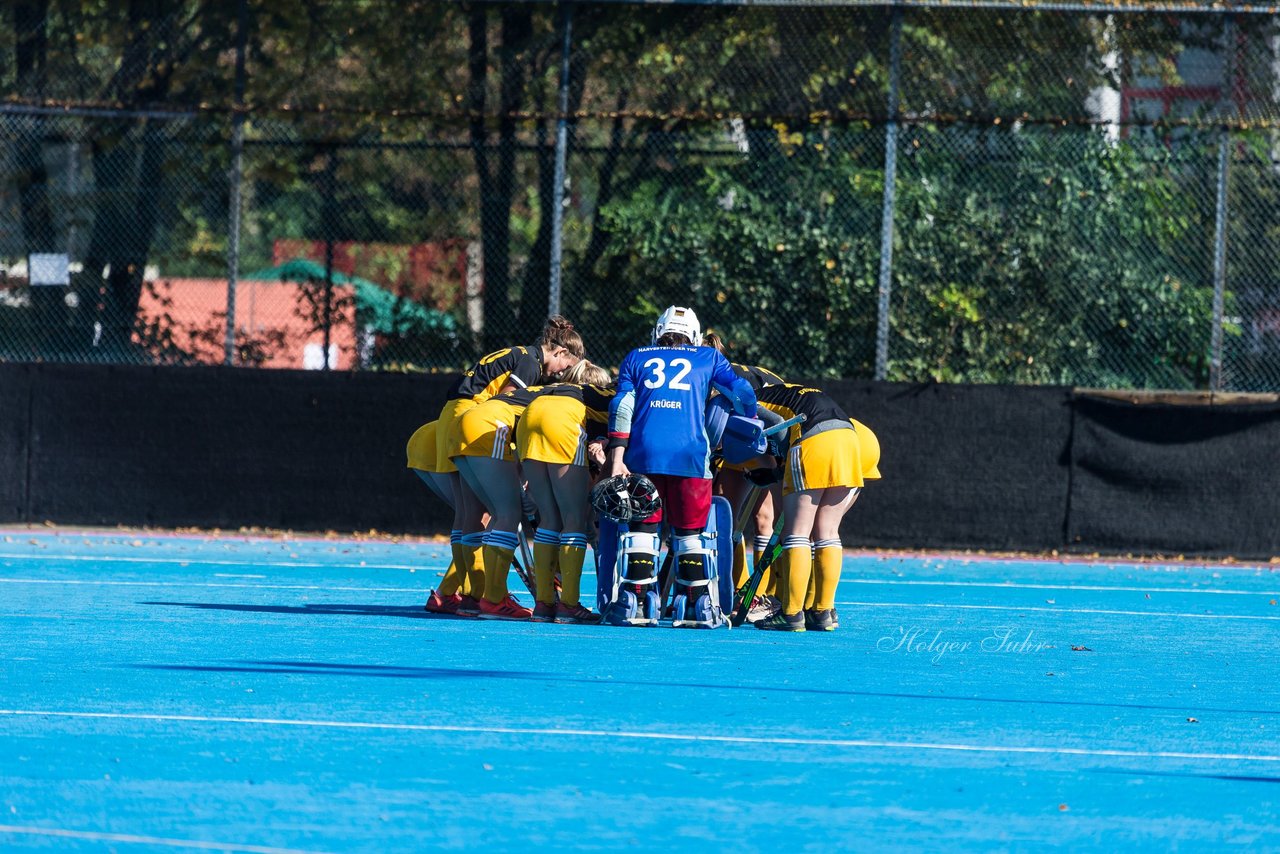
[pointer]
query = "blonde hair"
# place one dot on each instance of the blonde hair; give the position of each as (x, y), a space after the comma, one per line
(559, 332)
(587, 373)
(713, 340)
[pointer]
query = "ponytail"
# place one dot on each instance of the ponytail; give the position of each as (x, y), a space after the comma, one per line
(559, 332)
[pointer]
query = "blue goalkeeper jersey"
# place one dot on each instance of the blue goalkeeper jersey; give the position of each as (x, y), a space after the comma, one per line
(659, 411)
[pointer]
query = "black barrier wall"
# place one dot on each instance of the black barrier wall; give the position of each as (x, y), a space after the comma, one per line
(214, 447)
(976, 467)
(1193, 479)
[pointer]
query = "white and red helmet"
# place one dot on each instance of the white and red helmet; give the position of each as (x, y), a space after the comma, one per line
(680, 320)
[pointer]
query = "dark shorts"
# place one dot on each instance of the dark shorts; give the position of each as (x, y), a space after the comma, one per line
(686, 501)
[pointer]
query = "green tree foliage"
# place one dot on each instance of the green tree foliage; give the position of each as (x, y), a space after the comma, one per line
(728, 157)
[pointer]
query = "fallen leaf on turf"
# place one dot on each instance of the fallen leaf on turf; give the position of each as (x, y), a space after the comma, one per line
(1063, 807)
(1193, 720)
(1081, 649)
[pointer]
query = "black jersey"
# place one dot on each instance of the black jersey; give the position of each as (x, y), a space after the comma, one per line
(757, 376)
(595, 398)
(520, 398)
(517, 366)
(790, 400)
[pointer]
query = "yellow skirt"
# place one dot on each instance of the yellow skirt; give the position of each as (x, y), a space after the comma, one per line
(421, 449)
(551, 431)
(487, 430)
(448, 436)
(826, 459)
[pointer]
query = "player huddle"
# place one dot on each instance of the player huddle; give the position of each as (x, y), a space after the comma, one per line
(527, 431)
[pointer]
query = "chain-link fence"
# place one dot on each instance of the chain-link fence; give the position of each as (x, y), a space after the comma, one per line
(997, 193)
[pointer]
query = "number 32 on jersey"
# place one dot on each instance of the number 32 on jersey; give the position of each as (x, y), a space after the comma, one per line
(658, 369)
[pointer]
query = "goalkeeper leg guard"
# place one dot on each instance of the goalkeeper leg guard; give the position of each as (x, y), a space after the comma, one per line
(634, 599)
(697, 600)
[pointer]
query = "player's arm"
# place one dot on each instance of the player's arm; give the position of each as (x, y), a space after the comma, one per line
(527, 371)
(621, 408)
(735, 389)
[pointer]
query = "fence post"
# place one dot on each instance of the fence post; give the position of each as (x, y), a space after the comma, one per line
(890, 186)
(1220, 209)
(562, 142)
(237, 171)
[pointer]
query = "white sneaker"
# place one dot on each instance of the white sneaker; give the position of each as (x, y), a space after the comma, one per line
(763, 607)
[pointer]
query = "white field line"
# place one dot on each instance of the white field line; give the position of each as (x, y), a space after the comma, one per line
(1046, 750)
(94, 836)
(190, 585)
(992, 585)
(198, 561)
(947, 606)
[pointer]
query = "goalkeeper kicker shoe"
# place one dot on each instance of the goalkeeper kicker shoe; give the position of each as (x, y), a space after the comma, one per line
(821, 621)
(508, 609)
(781, 622)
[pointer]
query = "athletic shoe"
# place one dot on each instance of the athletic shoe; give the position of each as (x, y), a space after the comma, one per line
(781, 622)
(438, 604)
(762, 607)
(508, 609)
(821, 621)
(468, 607)
(576, 614)
(543, 612)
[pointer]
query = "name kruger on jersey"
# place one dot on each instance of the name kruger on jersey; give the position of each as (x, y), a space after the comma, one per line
(665, 404)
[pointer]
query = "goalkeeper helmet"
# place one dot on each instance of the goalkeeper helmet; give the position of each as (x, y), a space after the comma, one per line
(680, 320)
(626, 498)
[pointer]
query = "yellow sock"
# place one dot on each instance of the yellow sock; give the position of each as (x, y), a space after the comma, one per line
(830, 554)
(739, 563)
(465, 562)
(769, 580)
(452, 580)
(768, 583)
(499, 548)
(799, 570)
(546, 560)
(470, 555)
(573, 551)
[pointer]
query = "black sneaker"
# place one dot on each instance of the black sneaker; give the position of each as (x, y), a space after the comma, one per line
(821, 621)
(781, 622)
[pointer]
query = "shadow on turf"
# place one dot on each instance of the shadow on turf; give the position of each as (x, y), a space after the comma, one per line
(412, 611)
(404, 672)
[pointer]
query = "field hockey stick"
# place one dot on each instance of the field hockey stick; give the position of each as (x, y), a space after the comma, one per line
(748, 591)
(526, 575)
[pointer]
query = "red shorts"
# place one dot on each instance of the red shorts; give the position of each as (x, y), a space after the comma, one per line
(686, 501)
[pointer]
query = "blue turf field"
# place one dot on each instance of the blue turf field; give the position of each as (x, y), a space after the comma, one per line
(242, 694)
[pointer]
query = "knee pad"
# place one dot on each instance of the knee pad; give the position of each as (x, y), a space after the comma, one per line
(639, 558)
(695, 564)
